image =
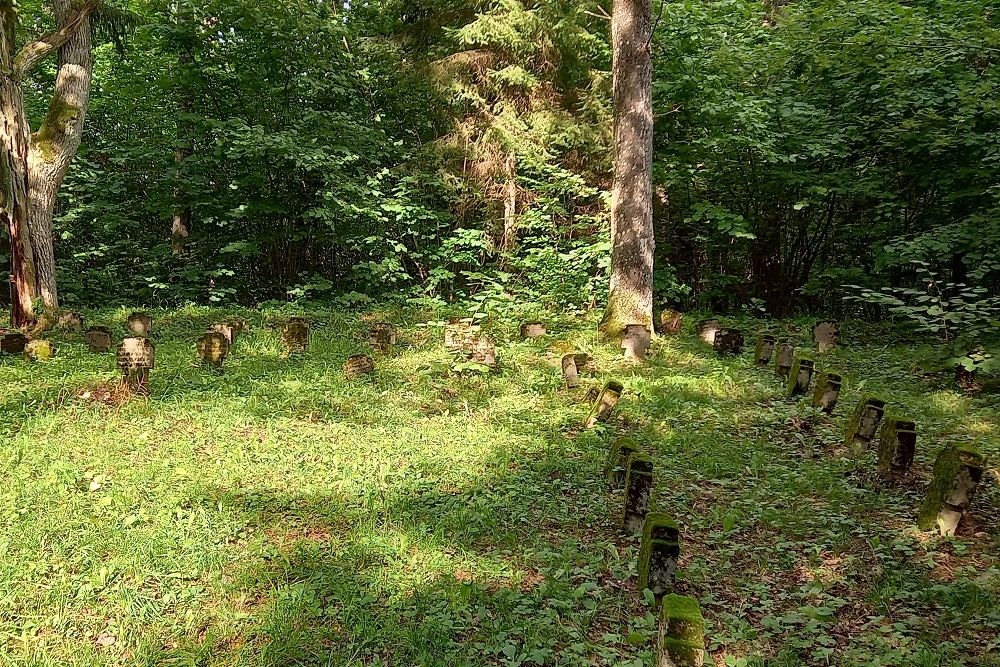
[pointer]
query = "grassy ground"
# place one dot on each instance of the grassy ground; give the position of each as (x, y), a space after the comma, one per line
(281, 515)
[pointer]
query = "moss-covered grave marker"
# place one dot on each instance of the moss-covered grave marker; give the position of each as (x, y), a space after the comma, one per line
(827, 392)
(295, 335)
(619, 455)
(39, 350)
(784, 357)
(382, 337)
(213, 348)
(140, 324)
(604, 404)
(671, 321)
(358, 366)
(864, 423)
(765, 350)
(957, 473)
(826, 335)
(99, 339)
(638, 492)
(136, 358)
(897, 446)
(658, 554)
(800, 377)
(729, 341)
(681, 638)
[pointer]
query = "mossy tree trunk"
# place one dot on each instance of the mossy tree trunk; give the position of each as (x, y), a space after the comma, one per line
(57, 140)
(631, 297)
(14, 144)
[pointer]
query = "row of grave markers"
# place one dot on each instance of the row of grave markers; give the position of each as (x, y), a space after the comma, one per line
(957, 471)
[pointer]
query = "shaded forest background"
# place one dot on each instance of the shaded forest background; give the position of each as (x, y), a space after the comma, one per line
(816, 156)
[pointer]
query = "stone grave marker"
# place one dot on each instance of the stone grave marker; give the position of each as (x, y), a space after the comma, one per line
(592, 395)
(671, 321)
(658, 554)
(897, 447)
(13, 343)
(827, 392)
(635, 342)
(765, 350)
(707, 330)
(572, 366)
(729, 341)
(784, 357)
(99, 339)
(358, 366)
(864, 422)
(39, 350)
(382, 337)
(231, 330)
(71, 322)
(140, 324)
(826, 335)
(605, 403)
(681, 638)
(459, 331)
(638, 492)
(295, 335)
(136, 358)
(482, 350)
(800, 377)
(957, 473)
(531, 330)
(213, 348)
(621, 452)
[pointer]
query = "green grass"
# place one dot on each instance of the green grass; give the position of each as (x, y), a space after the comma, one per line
(279, 514)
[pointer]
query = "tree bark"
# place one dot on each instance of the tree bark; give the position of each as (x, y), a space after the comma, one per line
(56, 142)
(180, 225)
(14, 147)
(632, 244)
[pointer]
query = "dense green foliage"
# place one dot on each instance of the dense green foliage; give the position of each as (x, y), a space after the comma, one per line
(279, 514)
(809, 157)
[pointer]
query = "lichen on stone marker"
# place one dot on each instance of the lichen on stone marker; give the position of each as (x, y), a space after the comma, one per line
(658, 554)
(800, 377)
(39, 350)
(136, 358)
(826, 335)
(765, 350)
(957, 473)
(358, 366)
(638, 492)
(827, 392)
(784, 357)
(140, 324)
(605, 403)
(897, 447)
(681, 638)
(621, 452)
(99, 339)
(636, 339)
(864, 423)
(213, 349)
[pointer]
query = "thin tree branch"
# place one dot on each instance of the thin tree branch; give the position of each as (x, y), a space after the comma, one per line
(34, 52)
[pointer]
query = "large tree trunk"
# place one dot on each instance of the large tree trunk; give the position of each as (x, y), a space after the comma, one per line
(55, 144)
(631, 297)
(14, 176)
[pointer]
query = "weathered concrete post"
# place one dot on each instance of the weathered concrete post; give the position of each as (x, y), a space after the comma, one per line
(765, 350)
(136, 358)
(531, 330)
(296, 335)
(800, 377)
(382, 336)
(864, 423)
(681, 640)
(658, 554)
(897, 446)
(827, 392)
(213, 348)
(621, 452)
(707, 330)
(358, 366)
(671, 321)
(635, 342)
(605, 403)
(140, 324)
(826, 335)
(99, 339)
(729, 341)
(957, 474)
(638, 492)
(784, 358)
